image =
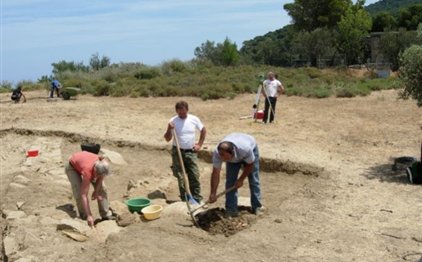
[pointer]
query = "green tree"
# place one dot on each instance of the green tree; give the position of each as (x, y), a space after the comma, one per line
(392, 44)
(97, 63)
(273, 48)
(383, 21)
(352, 30)
(311, 14)
(207, 51)
(71, 66)
(411, 71)
(314, 45)
(410, 17)
(229, 55)
(225, 53)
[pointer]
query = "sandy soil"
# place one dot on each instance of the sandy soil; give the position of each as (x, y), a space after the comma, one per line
(327, 180)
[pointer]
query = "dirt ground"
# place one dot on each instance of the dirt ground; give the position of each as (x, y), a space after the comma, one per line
(327, 181)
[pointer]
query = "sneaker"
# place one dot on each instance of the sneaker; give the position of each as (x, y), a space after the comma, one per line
(110, 217)
(204, 206)
(259, 211)
(229, 214)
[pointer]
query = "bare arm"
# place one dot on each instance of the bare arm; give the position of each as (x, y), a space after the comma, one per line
(280, 89)
(215, 180)
(201, 139)
(167, 134)
(24, 98)
(246, 171)
(97, 189)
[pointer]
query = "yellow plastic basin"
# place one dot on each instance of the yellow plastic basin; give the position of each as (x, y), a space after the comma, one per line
(152, 212)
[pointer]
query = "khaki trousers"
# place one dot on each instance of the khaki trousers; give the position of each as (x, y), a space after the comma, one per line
(75, 180)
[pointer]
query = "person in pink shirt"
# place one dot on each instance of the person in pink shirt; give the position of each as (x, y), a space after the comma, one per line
(85, 168)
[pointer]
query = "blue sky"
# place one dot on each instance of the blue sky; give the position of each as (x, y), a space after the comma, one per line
(37, 33)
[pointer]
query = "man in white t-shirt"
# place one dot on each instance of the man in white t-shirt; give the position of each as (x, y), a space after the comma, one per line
(185, 126)
(272, 88)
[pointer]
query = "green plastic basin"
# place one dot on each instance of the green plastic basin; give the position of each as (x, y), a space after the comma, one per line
(136, 204)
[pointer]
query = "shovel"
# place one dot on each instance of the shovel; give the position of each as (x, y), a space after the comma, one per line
(217, 196)
(188, 195)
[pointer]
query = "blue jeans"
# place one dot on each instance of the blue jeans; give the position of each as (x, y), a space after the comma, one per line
(232, 172)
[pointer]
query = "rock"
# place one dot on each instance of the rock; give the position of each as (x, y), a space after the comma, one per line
(176, 209)
(157, 194)
(118, 207)
(11, 215)
(103, 230)
(19, 204)
(10, 246)
(75, 235)
(70, 224)
(131, 184)
(278, 220)
(48, 221)
(127, 219)
(20, 179)
(114, 157)
(16, 186)
(244, 201)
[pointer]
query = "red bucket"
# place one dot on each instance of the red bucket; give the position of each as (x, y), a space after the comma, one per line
(32, 153)
(259, 115)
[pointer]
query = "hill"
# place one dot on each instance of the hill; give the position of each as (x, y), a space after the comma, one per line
(391, 6)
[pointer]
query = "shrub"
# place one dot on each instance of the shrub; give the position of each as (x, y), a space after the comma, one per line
(411, 72)
(148, 73)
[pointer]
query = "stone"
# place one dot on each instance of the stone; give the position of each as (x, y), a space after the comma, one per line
(103, 229)
(131, 184)
(16, 186)
(114, 157)
(157, 194)
(70, 224)
(19, 204)
(244, 201)
(11, 215)
(127, 219)
(118, 207)
(10, 246)
(75, 235)
(20, 179)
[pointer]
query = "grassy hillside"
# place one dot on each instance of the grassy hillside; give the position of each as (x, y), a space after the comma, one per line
(212, 82)
(391, 6)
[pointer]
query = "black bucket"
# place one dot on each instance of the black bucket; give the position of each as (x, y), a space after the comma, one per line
(93, 148)
(414, 173)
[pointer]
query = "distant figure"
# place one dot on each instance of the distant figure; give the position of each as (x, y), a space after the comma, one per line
(55, 85)
(185, 126)
(17, 94)
(272, 88)
(85, 168)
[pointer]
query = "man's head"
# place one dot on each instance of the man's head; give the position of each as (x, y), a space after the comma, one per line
(182, 109)
(102, 168)
(225, 150)
(270, 75)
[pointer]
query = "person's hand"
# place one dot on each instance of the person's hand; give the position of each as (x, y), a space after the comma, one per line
(95, 195)
(239, 183)
(170, 125)
(196, 147)
(90, 221)
(212, 198)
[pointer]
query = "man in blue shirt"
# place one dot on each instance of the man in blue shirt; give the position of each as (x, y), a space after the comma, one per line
(55, 85)
(237, 150)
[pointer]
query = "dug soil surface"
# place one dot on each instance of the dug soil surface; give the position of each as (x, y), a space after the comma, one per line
(327, 183)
